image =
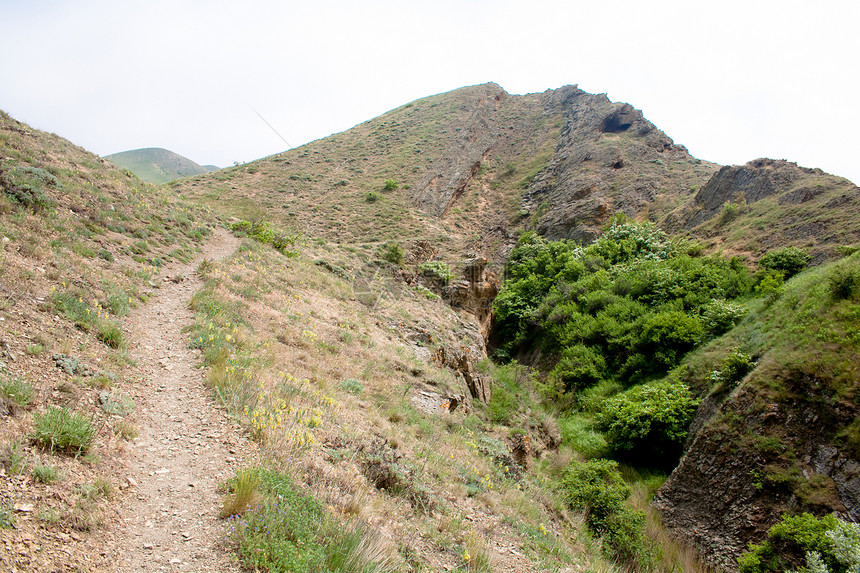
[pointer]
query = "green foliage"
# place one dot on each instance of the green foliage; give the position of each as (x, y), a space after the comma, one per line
(735, 366)
(390, 185)
(392, 252)
(110, 333)
(262, 232)
(844, 283)
(628, 306)
(63, 431)
(45, 474)
(371, 197)
(352, 386)
(26, 185)
(649, 421)
(719, 316)
(16, 390)
(597, 489)
(770, 285)
(579, 367)
(787, 260)
(789, 541)
(291, 532)
(436, 270)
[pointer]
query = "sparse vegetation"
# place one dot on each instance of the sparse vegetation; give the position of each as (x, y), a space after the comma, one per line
(60, 430)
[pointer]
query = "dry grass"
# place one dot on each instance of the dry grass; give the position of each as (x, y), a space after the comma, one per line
(244, 494)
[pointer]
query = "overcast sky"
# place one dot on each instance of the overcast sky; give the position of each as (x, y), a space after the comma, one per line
(731, 80)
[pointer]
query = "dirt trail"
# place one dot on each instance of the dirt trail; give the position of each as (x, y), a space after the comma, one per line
(169, 520)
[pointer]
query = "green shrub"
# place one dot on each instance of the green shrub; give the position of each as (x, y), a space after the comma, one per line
(291, 532)
(61, 430)
(843, 283)
(16, 391)
(649, 421)
(770, 285)
(436, 270)
(597, 489)
(352, 386)
(734, 367)
(579, 367)
(44, 474)
(390, 185)
(110, 333)
(787, 260)
(371, 197)
(392, 252)
(789, 541)
(719, 316)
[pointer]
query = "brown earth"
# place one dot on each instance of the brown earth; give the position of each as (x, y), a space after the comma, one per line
(187, 446)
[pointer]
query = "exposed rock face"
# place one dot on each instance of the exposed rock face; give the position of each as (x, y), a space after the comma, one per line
(758, 457)
(475, 291)
(749, 183)
(442, 186)
(609, 159)
(462, 363)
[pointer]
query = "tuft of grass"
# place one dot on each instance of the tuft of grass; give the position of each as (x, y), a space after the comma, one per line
(16, 391)
(110, 333)
(245, 493)
(44, 474)
(61, 430)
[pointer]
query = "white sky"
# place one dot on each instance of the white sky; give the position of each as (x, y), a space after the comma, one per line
(732, 80)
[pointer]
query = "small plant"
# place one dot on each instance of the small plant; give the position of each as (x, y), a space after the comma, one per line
(352, 386)
(7, 516)
(390, 185)
(61, 430)
(44, 474)
(244, 493)
(110, 333)
(13, 458)
(125, 430)
(788, 260)
(436, 270)
(34, 349)
(843, 283)
(734, 367)
(770, 286)
(16, 391)
(392, 252)
(371, 197)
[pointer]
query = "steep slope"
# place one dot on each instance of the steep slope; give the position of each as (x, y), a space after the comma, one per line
(157, 165)
(83, 242)
(766, 204)
(786, 438)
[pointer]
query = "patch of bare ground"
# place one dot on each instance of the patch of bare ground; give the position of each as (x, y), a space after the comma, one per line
(187, 445)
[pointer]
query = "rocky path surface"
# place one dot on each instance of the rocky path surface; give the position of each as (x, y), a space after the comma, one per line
(186, 446)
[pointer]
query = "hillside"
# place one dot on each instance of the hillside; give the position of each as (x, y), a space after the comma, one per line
(460, 175)
(157, 165)
(434, 347)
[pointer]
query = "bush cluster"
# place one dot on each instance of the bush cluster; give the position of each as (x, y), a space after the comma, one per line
(627, 307)
(597, 489)
(805, 543)
(264, 233)
(650, 419)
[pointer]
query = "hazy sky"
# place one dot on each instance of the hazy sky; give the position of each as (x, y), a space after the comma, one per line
(731, 80)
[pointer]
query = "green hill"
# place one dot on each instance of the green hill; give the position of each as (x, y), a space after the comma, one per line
(157, 165)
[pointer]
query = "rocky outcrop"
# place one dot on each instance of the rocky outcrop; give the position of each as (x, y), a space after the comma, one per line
(608, 159)
(462, 158)
(462, 362)
(760, 456)
(475, 291)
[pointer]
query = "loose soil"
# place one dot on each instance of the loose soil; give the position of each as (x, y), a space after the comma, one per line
(187, 446)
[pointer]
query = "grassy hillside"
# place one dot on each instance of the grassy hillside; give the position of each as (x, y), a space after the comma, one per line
(157, 165)
(82, 243)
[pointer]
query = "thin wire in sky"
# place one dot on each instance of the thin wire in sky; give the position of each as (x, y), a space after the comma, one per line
(272, 128)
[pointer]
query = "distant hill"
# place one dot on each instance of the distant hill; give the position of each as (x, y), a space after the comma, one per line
(157, 165)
